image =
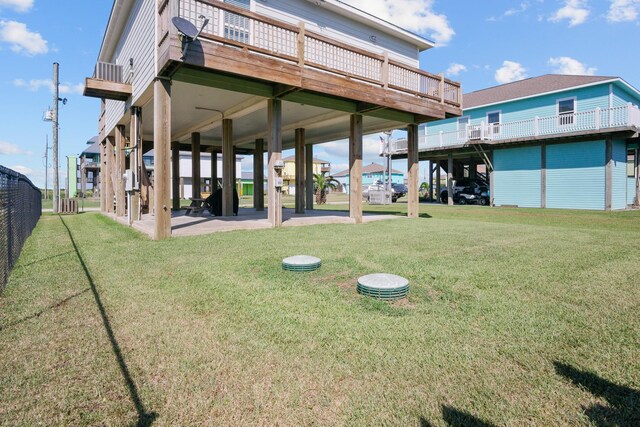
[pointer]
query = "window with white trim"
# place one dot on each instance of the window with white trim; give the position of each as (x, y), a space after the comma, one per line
(493, 120)
(236, 27)
(566, 111)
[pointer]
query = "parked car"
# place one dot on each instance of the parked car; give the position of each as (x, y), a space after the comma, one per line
(397, 191)
(473, 193)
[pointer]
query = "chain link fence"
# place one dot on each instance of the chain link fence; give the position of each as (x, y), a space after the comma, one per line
(20, 208)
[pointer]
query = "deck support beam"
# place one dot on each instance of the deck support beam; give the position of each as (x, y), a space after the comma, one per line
(543, 176)
(258, 176)
(109, 175)
(135, 141)
(608, 175)
(274, 118)
(438, 181)
(195, 165)
(161, 149)
(228, 160)
(450, 179)
(491, 181)
(103, 173)
(413, 172)
(119, 171)
(355, 168)
(300, 170)
(636, 167)
(175, 175)
(308, 169)
(214, 171)
(430, 197)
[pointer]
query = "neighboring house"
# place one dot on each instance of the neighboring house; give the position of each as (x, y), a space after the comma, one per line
(264, 76)
(370, 174)
(289, 172)
(553, 141)
(90, 168)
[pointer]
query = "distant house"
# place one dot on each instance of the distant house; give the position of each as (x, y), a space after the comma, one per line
(552, 141)
(370, 174)
(289, 172)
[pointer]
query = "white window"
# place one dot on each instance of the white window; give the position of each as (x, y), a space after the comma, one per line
(493, 120)
(566, 111)
(236, 27)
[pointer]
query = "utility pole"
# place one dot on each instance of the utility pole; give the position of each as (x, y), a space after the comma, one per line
(56, 184)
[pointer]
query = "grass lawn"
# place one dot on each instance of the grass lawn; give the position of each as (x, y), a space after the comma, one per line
(514, 317)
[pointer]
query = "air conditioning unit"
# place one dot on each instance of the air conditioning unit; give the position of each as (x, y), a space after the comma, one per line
(475, 133)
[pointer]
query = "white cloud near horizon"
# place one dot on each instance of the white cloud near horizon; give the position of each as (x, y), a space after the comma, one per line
(17, 5)
(510, 72)
(414, 15)
(21, 39)
(623, 11)
(567, 65)
(576, 11)
(455, 69)
(8, 149)
(36, 84)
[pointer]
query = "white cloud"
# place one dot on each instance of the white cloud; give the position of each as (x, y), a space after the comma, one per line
(575, 11)
(21, 39)
(17, 5)
(623, 10)
(414, 15)
(36, 84)
(510, 72)
(510, 12)
(9, 149)
(455, 69)
(22, 169)
(567, 65)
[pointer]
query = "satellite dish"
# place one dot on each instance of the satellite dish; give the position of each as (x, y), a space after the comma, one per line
(188, 30)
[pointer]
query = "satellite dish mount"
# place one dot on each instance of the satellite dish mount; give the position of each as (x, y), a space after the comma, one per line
(188, 31)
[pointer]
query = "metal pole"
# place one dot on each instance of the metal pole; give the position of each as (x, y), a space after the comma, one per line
(56, 184)
(46, 168)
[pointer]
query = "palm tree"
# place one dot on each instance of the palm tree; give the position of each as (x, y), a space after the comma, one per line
(322, 183)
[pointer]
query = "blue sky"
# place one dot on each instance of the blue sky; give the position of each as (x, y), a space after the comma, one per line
(481, 43)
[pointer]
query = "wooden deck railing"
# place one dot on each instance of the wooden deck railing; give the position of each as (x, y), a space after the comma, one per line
(235, 26)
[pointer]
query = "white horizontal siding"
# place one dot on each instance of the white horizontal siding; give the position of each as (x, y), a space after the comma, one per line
(137, 43)
(335, 26)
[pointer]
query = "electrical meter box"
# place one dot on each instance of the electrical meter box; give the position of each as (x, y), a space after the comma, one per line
(279, 181)
(128, 180)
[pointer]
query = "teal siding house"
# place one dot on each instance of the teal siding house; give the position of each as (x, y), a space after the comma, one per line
(554, 141)
(370, 174)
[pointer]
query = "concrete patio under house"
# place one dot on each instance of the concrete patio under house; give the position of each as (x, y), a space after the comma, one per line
(261, 77)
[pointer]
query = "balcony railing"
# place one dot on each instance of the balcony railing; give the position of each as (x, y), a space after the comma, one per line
(593, 120)
(234, 26)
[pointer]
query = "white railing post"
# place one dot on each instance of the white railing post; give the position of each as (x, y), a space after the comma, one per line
(597, 118)
(629, 110)
(536, 126)
(440, 138)
(482, 131)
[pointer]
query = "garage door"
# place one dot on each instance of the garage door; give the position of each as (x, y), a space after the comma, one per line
(517, 177)
(576, 175)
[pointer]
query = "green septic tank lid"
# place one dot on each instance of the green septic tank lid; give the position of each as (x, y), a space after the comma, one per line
(301, 263)
(383, 286)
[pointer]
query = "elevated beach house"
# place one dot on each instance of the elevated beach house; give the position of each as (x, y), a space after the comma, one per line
(261, 75)
(553, 141)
